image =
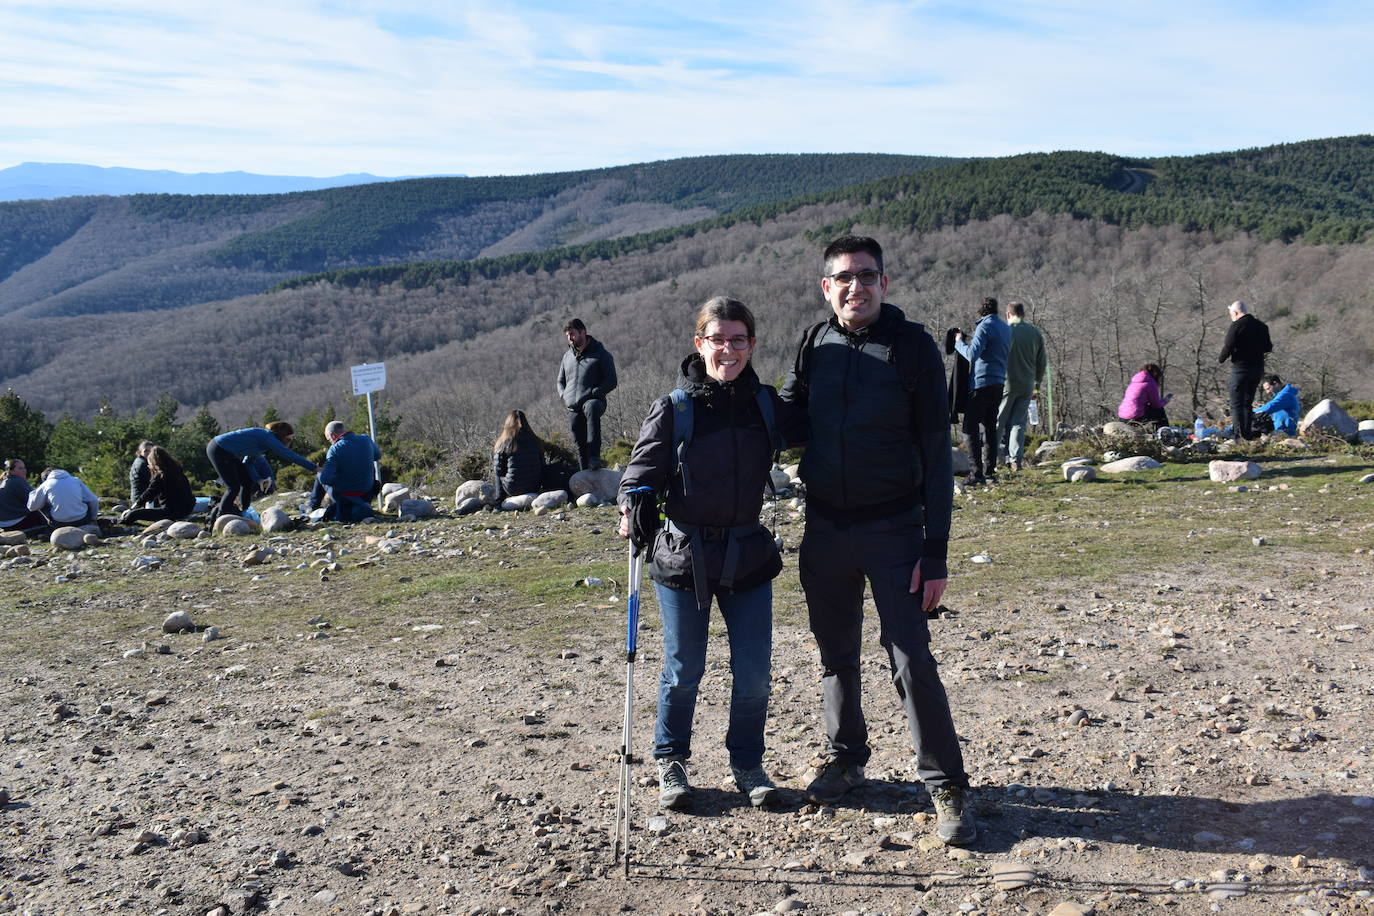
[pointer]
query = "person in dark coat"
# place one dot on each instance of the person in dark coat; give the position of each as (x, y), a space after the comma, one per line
(1247, 340)
(517, 457)
(712, 544)
(585, 377)
(14, 499)
(231, 454)
(168, 494)
(139, 475)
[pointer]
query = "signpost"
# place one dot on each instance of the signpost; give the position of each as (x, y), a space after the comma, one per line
(367, 378)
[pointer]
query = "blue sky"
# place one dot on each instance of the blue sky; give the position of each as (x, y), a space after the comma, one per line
(408, 87)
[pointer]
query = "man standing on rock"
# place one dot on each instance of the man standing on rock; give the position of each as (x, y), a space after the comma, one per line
(349, 474)
(879, 493)
(585, 377)
(1026, 364)
(1247, 340)
(986, 353)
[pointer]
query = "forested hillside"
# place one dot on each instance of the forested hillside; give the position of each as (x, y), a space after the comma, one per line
(80, 256)
(1146, 279)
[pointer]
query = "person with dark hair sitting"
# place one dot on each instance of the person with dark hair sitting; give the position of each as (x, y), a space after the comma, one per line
(14, 499)
(1142, 402)
(232, 453)
(517, 457)
(1283, 407)
(168, 493)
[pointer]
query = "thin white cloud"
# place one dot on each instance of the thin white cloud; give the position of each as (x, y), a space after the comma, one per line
(413, 87)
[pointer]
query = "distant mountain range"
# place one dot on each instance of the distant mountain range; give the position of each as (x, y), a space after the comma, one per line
(48, 180)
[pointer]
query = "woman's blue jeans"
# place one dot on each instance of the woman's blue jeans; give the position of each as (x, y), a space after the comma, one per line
(749, 623)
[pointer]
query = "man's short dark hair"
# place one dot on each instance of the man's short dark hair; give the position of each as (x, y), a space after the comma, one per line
(1273, 380)
(574, 324)
(989, 307)
(1017, 309)
(854, 244)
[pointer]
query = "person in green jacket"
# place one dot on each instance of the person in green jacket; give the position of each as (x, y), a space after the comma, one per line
(1026, 366)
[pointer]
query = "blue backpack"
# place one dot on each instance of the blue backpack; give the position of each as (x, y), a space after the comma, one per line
(683, 414)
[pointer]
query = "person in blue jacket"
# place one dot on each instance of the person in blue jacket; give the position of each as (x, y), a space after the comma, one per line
(987, 353)
(349, 474)
(231, 454)
(1283, 407)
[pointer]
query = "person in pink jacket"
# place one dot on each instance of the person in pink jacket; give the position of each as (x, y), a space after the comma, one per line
(1143, 402)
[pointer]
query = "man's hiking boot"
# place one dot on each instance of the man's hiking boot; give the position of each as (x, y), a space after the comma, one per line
(834, 780)
(754, 782)
(954, 824)
(974, 479)
(674, 791)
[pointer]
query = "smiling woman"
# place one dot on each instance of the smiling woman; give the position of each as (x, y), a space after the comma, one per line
(711, 481)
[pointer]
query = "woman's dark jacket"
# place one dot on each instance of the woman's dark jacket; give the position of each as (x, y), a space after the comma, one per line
(173, 489)
(728, 461)
(519, 471)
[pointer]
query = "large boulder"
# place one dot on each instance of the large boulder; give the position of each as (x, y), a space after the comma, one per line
(518, 503)
(1328, 417)
(468, 506)
(416, 508)
(603, 482)
(184, 530)
(275, 519)
(484, 490)
(1080, 473)
(1118, 428)
(234, 527)
(392, 500)
(68, 538)
(553, 499)
(1226, 471)
(1131, 465)
(1366, 432)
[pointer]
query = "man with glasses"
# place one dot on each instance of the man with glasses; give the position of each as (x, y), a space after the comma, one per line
(879, 492)
(585, 377)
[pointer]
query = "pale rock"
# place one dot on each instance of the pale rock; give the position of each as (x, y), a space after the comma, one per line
(211, 634)
(177, 621)
(780, 479)
(588, 501)
(1368, 478)
(257, 557)
(392, 487)
(68, 538)
(1008, 876)
(1366, 432)
(1131, 465)
(553, 499)
(1328, 417)
(93, 540)
(1080, 473)
(11, 538)
(1077, 462)
(658, 826)
(1227, 471)
(468, 506)
(238, 527)
(483, 490)
(1203, 447)
(1069, 908)
(158, 527)
(417, 508)
(146, 563)
(793, 471)
(1118, 428)
(1109, 456)
(1046, 448)
(959, 462)
(275, 519)
(517, 503)
(603, 482)
(394, 498)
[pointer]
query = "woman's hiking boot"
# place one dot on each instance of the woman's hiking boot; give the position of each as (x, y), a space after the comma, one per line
(674, 791)
(754, 782)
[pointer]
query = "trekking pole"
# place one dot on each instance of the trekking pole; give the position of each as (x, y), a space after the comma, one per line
(627, 758)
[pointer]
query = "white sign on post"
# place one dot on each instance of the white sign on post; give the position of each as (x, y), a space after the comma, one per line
(369, 377)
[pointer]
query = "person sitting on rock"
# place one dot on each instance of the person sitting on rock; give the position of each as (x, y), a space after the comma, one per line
(64, 500)
(517, 457)
(14, 499)
(1282, 408)
(349, 474)
(1143, 402)
(232, 453)
(168, 494)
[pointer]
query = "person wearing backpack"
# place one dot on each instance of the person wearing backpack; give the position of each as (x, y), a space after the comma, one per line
(705, 451)
(879, 491)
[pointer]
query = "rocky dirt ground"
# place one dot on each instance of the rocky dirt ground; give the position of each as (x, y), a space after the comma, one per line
(1161, 714)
